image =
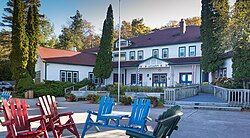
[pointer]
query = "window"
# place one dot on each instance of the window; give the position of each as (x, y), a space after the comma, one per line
(94, 79)
(223, 72)
(155, 53)
(186, 78)
(133, 79)
(115, 78)
(38, 77)
(165, 53)
(116, 56)
(132, 55)
(182, 51)
(69, 76)
(140, 55)
(63, 76)
(192, 51)
(124, 43)
(140, 79)
(75, 77)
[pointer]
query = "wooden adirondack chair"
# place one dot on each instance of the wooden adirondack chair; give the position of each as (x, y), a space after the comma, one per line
(48, 107)
(18, 123)
(167, 123)
(106, 105)
(137, 119)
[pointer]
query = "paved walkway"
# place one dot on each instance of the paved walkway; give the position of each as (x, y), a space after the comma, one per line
(194, 123)
(203, 97)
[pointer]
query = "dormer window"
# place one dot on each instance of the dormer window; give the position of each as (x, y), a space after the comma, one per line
(124, 43)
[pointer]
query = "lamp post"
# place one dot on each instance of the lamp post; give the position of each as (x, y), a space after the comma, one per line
(119, 53)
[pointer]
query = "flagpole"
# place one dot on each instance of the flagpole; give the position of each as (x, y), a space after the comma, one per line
(119, 53)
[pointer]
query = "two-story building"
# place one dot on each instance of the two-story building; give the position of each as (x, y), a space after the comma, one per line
(162, 58)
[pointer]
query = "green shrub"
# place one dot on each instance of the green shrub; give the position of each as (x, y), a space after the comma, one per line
(143, 89)
(55, 88)
(85, 82)
(25, 83)
(227, 83)
(113, 89)
(126, 100)
(93, 98)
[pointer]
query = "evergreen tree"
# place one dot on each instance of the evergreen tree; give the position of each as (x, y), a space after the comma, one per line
(211, 47)
(221, 19)
(103, 66)
(32, 30)
(19, 53)
(79, 34)
(240, 41)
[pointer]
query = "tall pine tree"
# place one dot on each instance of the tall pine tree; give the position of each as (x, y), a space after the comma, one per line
(240, 41)
(32, 30)
(19, 52)
(211, 46)
(103, 66)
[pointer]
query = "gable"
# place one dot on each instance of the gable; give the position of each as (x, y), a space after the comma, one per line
(154, 63)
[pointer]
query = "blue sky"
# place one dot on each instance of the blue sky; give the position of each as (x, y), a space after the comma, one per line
(156, 13)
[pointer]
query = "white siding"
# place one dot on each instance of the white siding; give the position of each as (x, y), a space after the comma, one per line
(40, 66)
(53, 70)
(228, 65)
(173, 50)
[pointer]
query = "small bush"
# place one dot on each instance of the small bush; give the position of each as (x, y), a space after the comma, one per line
(155, 101)
(126, 100)
(93, 98)
(227, 83)
(25, 83)
(113, 89)
(70, 97)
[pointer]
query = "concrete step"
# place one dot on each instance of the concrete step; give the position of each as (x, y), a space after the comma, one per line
(207, 107)
(202, 103)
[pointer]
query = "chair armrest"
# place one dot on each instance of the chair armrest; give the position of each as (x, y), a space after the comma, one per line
(38, 118)
(92, 112)
(149, 118)
(138, 134)
(7, 123)
(65, 114)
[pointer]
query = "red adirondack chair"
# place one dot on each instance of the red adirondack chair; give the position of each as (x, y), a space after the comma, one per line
(48, 107)
(18, 123)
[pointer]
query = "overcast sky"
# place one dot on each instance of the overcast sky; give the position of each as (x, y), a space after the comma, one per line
(156, 13)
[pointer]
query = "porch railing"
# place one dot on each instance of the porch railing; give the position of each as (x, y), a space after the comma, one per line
(235, 97)
(173, 94)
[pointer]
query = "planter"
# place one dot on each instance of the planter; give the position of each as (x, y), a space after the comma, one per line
(29, 94)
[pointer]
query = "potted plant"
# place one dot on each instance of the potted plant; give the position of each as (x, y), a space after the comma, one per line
(93, 98)
(154, 101)
(126, 100)
(70, 97)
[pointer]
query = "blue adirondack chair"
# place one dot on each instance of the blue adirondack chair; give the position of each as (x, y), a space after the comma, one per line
(5, 95)
(137, 118)
(106, 105)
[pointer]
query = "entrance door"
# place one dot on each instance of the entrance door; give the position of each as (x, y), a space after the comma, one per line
(186, 78)
(115, 78)
(159, 80)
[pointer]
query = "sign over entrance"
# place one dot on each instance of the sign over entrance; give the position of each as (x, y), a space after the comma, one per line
(153, 63)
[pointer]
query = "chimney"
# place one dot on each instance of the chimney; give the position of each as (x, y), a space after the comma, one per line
(182, 26)
(73, 49)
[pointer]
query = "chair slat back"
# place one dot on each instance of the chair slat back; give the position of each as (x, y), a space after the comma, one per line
(16, 109)
(48, 105)
(139, 113)
(163, 130)
(106, 105)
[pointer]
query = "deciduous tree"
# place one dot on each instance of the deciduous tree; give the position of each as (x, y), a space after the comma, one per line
(139, 28)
